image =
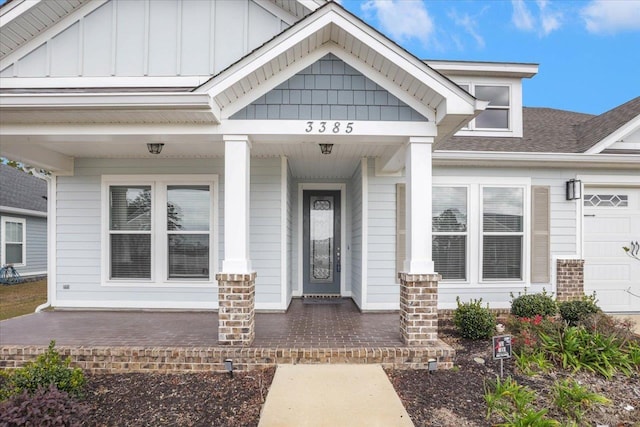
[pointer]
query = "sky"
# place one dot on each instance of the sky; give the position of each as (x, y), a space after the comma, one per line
(588, 51)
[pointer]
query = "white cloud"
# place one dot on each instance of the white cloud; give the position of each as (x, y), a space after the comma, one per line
(521, 17)
(470, 25)
(611, 16)
(402, 20)
(544, 22)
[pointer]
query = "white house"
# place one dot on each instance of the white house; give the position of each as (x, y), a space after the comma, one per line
(432, 166)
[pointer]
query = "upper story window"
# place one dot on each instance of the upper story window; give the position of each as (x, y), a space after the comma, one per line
(497, 114)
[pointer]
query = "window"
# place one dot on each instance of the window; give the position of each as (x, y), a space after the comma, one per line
(502, 233)
(496, 116)
(14, 241)
(450, 230)
(160, 230)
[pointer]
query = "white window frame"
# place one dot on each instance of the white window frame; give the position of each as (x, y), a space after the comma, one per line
(474, 230)
(5, 220)
(467, 263)
(159, 232)
(482, 234)
(515, 107)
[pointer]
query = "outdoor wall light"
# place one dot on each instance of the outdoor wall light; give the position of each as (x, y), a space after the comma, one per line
(433, 365)
(326, 148)
(228, 366)
(574, 189)
(155, 148)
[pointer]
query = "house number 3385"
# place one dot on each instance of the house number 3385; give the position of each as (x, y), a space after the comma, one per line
(329, 127)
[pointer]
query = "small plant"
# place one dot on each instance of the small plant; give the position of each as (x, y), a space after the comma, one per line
(576, 311)
(530, 305)
(633, 354)
(514, 403)
(46, 407)
(473, 320)
(49, 368)
(532, 362)
(574, 399)
(577, 348)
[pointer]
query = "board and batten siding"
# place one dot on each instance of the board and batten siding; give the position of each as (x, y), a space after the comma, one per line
(151, 38)
(354, 197)
(79, 234)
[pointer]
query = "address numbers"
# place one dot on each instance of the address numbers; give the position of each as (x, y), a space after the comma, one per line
(329, 127)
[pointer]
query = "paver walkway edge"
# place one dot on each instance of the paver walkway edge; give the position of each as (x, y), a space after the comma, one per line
(332, 395)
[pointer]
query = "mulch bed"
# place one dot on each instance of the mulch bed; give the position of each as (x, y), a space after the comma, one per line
(195, 399)
(456, 397)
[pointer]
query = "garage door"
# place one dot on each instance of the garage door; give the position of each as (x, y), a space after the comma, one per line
(612, 220)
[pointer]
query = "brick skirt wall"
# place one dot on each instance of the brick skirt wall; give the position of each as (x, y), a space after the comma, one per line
(180, 359)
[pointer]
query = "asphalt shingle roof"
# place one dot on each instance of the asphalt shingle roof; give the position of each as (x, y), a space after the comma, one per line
(552, 131)
(20, 190)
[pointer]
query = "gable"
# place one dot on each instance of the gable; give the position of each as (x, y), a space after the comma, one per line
(156, 38)
(329, 89)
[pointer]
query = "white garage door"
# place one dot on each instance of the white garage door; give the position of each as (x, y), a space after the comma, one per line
(611, 221)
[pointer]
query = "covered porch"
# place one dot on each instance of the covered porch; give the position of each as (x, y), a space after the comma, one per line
(112, 341)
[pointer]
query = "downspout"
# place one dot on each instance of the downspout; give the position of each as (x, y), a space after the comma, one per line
(50, 207)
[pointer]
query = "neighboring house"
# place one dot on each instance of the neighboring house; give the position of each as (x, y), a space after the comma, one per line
(433, 167)
(23, 222)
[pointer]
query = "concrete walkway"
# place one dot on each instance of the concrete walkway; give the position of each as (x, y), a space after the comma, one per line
(332, 395)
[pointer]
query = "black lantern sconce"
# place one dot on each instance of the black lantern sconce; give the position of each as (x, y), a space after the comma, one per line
(155, 148)
(574, 189)
(326, 148)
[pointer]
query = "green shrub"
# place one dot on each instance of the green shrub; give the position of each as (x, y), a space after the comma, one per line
(576, 311)
(46, 407)
(474, 321)
(49, 368)
(530, 305)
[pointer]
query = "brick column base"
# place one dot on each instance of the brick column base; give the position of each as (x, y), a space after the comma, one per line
(419, 308)
(236, 312)
(569, 279)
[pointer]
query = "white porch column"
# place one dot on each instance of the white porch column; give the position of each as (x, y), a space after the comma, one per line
(237, 150)
(418, 199)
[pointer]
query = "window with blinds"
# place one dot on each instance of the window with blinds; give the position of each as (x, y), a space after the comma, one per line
(160, 231)
(15, 241)
(502, 233)
(449, 225)
(130, 231)
(188, 228)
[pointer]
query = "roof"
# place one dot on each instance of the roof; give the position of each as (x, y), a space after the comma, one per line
(20, 190)
(598, 128)
(552, 131)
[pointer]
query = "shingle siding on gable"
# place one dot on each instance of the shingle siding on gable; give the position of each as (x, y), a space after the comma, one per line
(329, 89)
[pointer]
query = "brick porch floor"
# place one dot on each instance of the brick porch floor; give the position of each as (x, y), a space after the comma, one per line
(183, 341)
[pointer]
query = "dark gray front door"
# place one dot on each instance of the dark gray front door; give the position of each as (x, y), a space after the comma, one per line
(321, 242)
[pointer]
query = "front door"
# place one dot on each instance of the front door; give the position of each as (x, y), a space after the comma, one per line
(321, 242)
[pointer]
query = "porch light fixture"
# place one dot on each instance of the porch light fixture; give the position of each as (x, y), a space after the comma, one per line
(228, 366)
(433, 365)
(574, 189)
(326, 148)
(155, 148)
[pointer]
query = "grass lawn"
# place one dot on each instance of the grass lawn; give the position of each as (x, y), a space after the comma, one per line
(16, 300)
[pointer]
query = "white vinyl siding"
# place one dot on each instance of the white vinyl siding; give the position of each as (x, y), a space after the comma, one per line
(265, 235)
(355, 198)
